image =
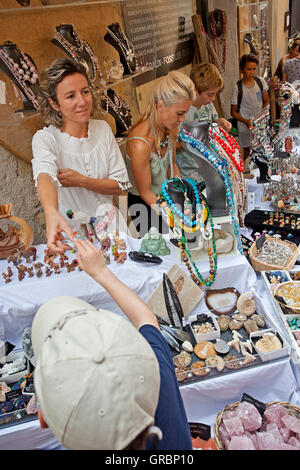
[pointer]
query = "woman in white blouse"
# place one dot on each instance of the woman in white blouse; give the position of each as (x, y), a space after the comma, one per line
(77, 164)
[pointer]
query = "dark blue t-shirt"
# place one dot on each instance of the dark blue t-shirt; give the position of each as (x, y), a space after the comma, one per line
(170, 414)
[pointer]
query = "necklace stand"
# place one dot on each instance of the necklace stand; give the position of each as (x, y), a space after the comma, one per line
(215, 189)
(178, 197)
(116, 38)
(67, 39)
(113, 104)
(21, 70)
(263, 166)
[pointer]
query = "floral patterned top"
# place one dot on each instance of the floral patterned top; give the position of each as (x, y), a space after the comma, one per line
(204, 113)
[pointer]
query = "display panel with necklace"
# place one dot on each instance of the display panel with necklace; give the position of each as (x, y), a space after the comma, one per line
(227, 148)
(20, 68)
(67, 38)
(113, 104)
(187, 212)
(222, 168)
(121, 43)
(227, 145)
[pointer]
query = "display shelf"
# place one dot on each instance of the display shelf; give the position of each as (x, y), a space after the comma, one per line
(9, 118)
(129, 76)
(251, 30)
(261, 4)
(80, 3)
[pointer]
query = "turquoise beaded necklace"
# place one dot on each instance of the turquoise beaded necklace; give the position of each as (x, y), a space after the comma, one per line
(179, 183)
(183, 221)
(222, 168)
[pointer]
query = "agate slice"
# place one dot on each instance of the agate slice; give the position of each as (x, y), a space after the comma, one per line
(222, 301)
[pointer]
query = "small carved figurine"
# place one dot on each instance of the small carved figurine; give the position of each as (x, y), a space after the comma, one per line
(153, 242)
(119, 242)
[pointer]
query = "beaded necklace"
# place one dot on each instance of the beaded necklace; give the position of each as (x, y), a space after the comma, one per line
(76, 50)
(221, 167)
(190, 264)
(182, 217)
(118, 105)
(229, 146)
(125, 45)
(185, 221)
(24, 72)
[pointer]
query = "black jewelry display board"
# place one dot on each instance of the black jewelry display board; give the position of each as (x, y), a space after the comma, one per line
(161, 33)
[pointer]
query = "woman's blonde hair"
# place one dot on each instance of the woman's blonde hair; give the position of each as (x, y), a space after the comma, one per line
(50, 78)
(173, 88)
(206, 76)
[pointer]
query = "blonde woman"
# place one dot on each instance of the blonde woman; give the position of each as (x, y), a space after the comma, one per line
(77, 164)
(151, 146)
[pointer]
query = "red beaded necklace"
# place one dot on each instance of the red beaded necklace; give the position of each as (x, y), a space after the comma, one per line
(230, 146)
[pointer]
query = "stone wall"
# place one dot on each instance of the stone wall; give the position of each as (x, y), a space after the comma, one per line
(17, 187)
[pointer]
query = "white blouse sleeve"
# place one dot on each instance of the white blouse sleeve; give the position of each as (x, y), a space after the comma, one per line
(116, 165)
(44, 156)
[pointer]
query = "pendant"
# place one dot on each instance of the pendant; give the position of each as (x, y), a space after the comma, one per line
(130, 55)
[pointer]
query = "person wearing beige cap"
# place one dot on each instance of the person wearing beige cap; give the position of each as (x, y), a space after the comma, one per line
(104, 382)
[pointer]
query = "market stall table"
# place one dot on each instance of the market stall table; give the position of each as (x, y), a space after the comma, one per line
(19, 302)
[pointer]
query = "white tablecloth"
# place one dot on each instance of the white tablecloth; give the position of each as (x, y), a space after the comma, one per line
(19, 300)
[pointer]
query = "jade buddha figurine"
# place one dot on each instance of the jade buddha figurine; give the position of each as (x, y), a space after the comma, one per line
(153, 242)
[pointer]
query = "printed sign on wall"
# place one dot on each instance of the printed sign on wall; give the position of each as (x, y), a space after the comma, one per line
(162, 34)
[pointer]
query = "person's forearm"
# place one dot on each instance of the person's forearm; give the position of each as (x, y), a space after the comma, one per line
(47, 192)
(149, 197)
(134, 308)
(266, 101)
(102, 186)
(240, 118)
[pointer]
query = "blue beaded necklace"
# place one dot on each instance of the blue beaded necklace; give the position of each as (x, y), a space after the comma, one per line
(183, 222)
(180, 184)
(222, 168)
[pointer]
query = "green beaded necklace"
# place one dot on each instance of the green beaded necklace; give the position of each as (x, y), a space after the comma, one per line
(182, 242)
(212, 255)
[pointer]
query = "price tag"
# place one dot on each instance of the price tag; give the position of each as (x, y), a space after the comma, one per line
(9, 396)
(258, 404)
(260, 241)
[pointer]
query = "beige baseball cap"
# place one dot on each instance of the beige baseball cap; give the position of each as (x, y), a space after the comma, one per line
(96, 378)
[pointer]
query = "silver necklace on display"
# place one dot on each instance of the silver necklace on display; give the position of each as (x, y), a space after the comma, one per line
(119, 106)
(127, 51)
(76, 49)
